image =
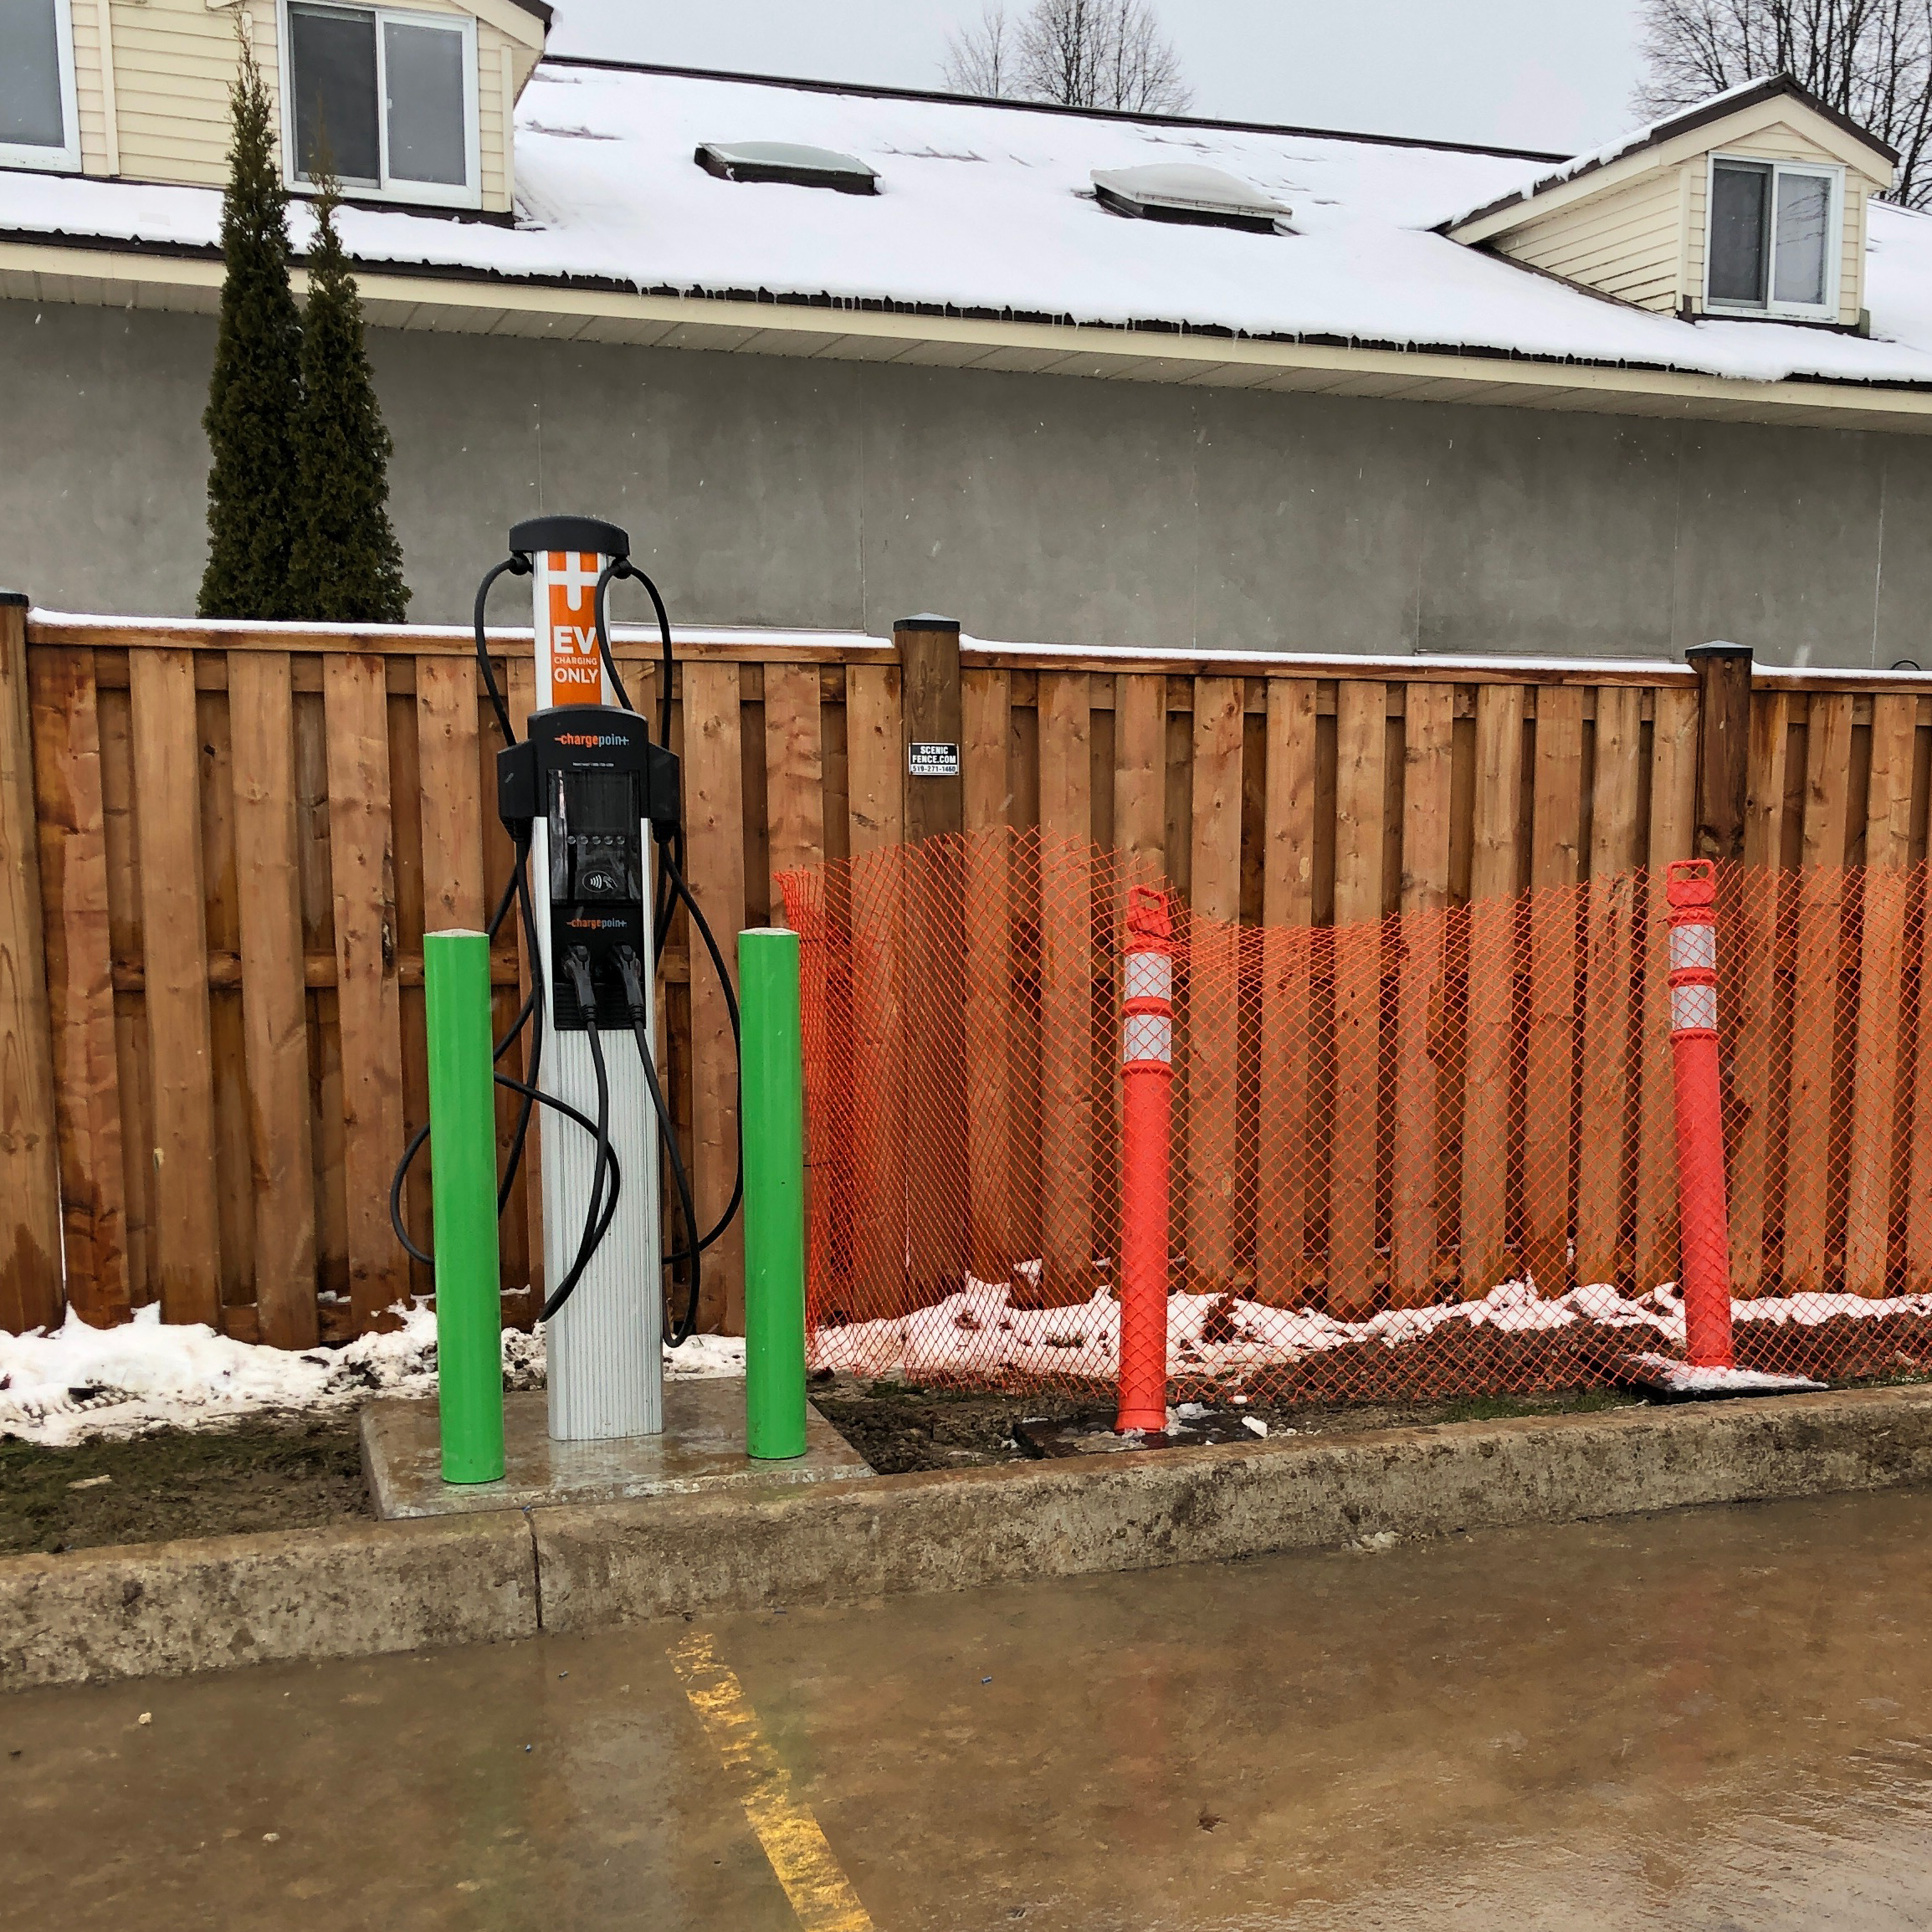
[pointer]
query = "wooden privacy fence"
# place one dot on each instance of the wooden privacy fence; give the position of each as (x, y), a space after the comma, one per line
(222, 844)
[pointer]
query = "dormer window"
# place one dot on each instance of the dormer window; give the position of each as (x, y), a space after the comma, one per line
(39, 126)
(1774, 239)
(384, 98)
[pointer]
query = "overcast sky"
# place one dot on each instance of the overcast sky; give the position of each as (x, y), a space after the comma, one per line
(1554, 74)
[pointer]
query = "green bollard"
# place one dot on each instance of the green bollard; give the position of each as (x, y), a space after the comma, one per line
(463, 1187)
(773, 1102)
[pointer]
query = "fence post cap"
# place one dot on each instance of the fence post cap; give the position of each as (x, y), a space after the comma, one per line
(15, 600)
(927, 620)
(1717, 647)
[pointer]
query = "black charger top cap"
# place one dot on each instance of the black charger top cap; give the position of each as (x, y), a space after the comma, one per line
(578, 533)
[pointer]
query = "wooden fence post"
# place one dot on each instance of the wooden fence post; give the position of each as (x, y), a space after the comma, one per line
(1723, 733)
(931, 730)
(29, 1183)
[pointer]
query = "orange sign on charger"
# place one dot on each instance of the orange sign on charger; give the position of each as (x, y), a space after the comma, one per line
(567, 643)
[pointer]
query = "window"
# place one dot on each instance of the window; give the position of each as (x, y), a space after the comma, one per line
(382, 99)
(1774, 239)
(38, 125)
(1186, 192)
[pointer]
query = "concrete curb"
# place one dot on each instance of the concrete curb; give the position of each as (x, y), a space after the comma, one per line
(212, 1602)
(960, 1530)
(156, 1608)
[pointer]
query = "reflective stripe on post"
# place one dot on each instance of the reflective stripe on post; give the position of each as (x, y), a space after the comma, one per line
(1703, 1221)
(1147, 1079)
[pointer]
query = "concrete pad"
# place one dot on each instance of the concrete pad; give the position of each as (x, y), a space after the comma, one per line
(208, 1603)
(702, 1448)
(1079, 1515)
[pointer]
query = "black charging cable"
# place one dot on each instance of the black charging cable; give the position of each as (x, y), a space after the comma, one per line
(631, 967)
(672, 886)
(517, 565)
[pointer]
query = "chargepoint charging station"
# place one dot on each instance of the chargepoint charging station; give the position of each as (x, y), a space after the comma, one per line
(591, 801)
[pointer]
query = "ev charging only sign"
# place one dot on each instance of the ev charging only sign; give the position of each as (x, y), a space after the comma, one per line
(569, 670)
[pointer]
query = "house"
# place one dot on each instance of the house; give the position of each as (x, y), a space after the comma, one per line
(832, 353)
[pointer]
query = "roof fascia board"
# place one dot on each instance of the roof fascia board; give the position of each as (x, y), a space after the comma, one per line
(511, 17)
(394, 298)
(1710, 138)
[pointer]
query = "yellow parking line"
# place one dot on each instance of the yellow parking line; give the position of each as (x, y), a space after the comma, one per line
(821, 1893)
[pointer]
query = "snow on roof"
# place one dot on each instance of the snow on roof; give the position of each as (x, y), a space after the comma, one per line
(1683, 120)
(989, 210)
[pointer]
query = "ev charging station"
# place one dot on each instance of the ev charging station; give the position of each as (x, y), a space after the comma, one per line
(597, 776)
(591, 803)
(591, 798)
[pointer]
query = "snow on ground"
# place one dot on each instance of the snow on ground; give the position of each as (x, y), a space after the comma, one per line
(979, 1330)
(61, 1387)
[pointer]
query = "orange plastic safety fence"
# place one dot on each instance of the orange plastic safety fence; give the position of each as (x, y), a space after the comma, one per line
(1429, 1156)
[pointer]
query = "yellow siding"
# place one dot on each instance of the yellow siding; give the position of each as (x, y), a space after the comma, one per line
(1644, 241)
(173, 62)
(1625, 243)
(91, 89)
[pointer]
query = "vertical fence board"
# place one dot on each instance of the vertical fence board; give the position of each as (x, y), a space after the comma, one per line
(874, 801)
(1429, 728)
(1213, 1017)
(1753, 1062)
(1550, 1071)
(115, 713)
(1287, 910)
(1492, 977)
(1362, 746)
(448, 753)
(368, 1008)
(1609, 937)
(1066, 969)
(1814, 990)
(1881, 960)
(234, 1163)
(176, 966)
(72, 840)
(1140, 767)
(714, 815)
(275, 1002)
(990, 994)
(794, 771)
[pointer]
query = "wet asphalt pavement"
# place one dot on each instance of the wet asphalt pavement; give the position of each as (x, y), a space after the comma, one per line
(1716, 1719)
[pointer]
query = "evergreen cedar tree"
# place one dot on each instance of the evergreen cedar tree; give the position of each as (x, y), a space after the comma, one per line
(298, 486)
(345, 565)
(256, 387)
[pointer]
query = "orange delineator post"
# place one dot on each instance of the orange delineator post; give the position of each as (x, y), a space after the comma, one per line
(1702, 1214)
(1147, 1082)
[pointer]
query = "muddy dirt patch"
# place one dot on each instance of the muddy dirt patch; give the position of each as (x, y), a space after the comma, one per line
(898, 1427)
(292, 1473)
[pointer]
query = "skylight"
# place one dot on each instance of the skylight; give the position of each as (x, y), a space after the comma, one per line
(1186, 191)
(786, 161)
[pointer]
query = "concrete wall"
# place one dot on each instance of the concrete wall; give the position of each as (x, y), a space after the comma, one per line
(770, 491)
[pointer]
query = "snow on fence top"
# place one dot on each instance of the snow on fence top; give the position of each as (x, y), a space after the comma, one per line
(990, 211)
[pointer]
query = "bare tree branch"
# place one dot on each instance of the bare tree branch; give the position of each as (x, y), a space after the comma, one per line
(979, 60)
(1078, 52)
(1870, 59)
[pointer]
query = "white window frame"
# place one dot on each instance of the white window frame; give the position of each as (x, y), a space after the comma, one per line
(1825, 311)
(404, 193)
(57, 159)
